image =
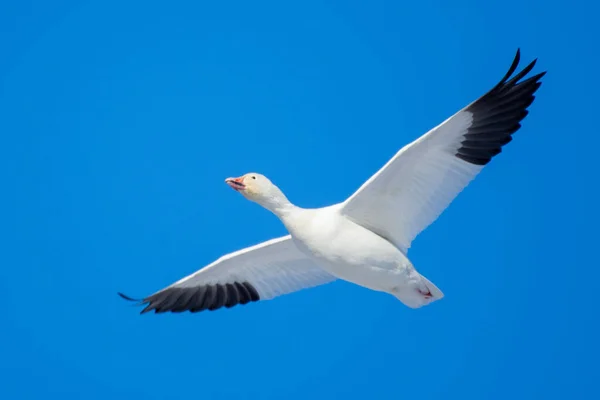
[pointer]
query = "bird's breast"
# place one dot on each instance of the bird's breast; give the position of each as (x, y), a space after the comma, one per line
(336, 242)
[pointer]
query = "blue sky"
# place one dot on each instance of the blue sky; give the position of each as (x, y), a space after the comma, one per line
(120, 121)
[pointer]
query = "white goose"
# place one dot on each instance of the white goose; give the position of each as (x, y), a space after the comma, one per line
(365, 239)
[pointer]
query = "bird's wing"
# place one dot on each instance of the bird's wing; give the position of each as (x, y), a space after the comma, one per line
(422, 179)
(259, 272)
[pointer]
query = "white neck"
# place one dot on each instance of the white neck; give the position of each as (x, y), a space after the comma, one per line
(278, 204)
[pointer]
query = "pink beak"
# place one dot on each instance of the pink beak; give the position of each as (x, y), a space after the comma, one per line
(236, 184)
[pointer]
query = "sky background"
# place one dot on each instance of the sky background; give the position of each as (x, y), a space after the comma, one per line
(120, 120)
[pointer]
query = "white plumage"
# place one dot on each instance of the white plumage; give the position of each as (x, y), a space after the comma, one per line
(366, 238)
(274, 267)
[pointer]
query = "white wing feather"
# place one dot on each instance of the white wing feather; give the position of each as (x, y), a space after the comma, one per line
(275, 267)
(261, 272)
(421, 180)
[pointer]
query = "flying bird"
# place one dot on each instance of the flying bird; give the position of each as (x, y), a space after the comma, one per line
(365, 239)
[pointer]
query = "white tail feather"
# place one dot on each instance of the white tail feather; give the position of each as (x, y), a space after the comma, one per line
(414, 298)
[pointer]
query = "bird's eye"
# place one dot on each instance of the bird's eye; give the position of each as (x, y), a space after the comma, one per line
(253, 177)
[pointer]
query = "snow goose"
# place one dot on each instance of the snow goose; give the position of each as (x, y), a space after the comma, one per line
(365, 239)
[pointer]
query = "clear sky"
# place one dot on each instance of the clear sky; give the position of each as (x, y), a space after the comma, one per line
(120, 121)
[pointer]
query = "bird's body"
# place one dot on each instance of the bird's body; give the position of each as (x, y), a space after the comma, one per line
(355, 254)
(365, 239)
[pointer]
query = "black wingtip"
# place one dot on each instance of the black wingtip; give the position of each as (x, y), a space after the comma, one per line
(512, 69)
(124, 296)
(498, 114)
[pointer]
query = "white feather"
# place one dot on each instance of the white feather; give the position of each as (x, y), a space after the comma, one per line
(274, 268)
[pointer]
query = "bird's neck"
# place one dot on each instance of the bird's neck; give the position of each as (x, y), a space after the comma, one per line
(279, 205)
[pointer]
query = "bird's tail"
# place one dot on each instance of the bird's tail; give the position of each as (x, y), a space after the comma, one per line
(423, 295)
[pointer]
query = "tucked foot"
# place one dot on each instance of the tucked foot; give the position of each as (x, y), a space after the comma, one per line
(426, 294)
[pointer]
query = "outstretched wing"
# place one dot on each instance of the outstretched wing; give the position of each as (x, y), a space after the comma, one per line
(421, 180)
(260, 272)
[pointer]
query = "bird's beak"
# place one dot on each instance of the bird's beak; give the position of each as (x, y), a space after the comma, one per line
(236, 184)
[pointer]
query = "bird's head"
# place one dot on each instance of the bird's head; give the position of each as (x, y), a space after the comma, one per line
(258, 188)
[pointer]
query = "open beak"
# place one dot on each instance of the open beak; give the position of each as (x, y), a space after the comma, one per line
(236, 184)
